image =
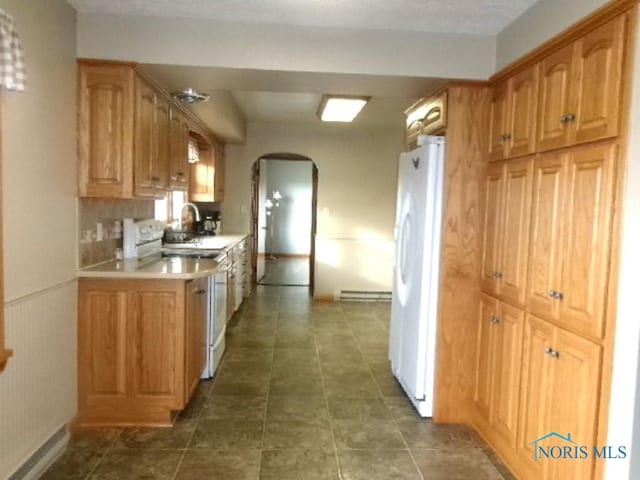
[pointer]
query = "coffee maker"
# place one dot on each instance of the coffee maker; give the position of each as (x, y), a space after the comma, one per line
(209, 225)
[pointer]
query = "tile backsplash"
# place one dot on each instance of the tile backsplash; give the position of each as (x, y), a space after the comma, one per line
(109, 213)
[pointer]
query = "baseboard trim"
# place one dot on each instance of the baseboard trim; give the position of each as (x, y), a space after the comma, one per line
(287, 255)
(44, 457)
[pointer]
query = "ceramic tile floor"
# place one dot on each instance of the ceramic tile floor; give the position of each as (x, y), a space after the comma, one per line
(304, 392)
(286, 271)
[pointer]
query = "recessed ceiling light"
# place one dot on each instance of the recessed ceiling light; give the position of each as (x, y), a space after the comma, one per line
(340, 108)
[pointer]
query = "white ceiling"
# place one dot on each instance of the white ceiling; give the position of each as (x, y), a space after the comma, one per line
(450, 16)
(241, 95)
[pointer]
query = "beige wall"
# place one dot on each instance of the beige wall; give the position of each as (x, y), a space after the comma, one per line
(37, 389)
(205, 42)
(542, 21)
(356, 196)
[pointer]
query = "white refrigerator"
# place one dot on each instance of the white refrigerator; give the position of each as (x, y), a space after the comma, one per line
(418, 236)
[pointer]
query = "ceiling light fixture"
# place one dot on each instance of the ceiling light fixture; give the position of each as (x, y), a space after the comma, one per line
(340, 108)
(191, 96)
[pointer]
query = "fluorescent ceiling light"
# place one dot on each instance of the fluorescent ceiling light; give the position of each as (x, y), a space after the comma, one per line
(335, 108)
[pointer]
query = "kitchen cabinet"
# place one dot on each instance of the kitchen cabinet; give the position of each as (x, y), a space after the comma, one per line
(507, 215)
(151, 154)
(178, 151)
(427, 117)
(499, 351)
(105, 130)
(196, 328)
(201, 176)
(580, 88)
(570, 241)
(513, 116)
(130, 134)
(560, 390)
(140, 348)
(219, 173)
(207, 176)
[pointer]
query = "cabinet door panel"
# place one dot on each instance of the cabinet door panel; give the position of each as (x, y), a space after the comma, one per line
(196, 344)
(515, 230)
(575, 395)
(202, 176)
(599, 58)
(498, 122)
(160, 166)
(146, 142)
(105, 131)
(102, 334)
(154, 340)
(485, 355)
(535, 394)
(523, 106)
(507, 371)
(492, 228)
(219, 175)
(554, 99)
(587, 220)
(544, 249)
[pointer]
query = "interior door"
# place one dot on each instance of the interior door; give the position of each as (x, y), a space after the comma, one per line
(261, 230)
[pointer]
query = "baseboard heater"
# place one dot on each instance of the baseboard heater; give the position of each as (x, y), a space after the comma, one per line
(362, 296)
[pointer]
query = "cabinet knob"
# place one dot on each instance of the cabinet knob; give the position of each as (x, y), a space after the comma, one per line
(556, 295)
(551, 352)
(568, 118)
(507, 136)
(552, 293)
(496, 275)
(495, 320)
(180, 174)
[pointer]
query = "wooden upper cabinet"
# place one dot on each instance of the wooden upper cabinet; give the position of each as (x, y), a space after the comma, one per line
(427, 117)
(160, 165)
(491, 242)
(516, 220)
(554, 99)
(498, 122)
(151, 152)
(523, 105)
(598, 68)
(105, 130)
(201, 176)
(179, 151)
(219, 174)
(546, 223)
(146, 139)
(588, 211)
(506, 388)
(580, 88)
(131, 134)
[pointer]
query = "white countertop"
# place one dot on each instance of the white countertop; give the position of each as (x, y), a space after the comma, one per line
(157, 267)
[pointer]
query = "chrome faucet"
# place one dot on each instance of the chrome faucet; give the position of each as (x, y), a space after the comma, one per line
(195, 209)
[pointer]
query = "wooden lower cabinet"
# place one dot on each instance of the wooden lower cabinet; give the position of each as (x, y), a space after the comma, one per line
(141, 349)
(558, 386)
(498, 359)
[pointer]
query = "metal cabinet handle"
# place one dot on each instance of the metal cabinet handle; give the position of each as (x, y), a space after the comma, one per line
(552, 293)
(495, 320)
(551, 352)
(180, 174)
(507, 136)
(568, 118)
(200, 292)
(496, 275)
(556, 295)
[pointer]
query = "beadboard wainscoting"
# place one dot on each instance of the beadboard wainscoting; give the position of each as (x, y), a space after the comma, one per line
(38, 392)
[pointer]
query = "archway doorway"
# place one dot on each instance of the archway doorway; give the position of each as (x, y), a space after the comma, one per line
(284, 216)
